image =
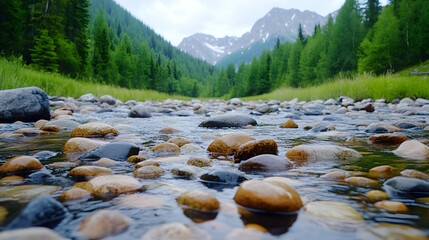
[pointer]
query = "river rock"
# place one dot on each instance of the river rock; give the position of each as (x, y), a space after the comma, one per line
(94, 129)
(254, 148)
(265, 163)
(24, 104)
(332, 211)
(392, 206)
(59, 112)
(74, 194)
(30, 132)
(109, 186)
(384, 171)
(289, 123)
(414, 174)
(88, 171)
(179, 141)
(413, 149)
(12, 180)
(230, 120)
(367, 107)
(147, 172)
(136, 159)
(304, 153)
(186, 171)
(224, 177)
(140, 111)
(335, 175)
(200, 162)
(362, 182)
(147, 163)
(42, 211)
(105, 162)
(166, 148)
(376, 195)
(288, 181)
(3, 213)
(142, 201)
(79, 144)
(176, 231)
(407, 187)
(25, 193)
(229, 143)
(63, 124)
(108, 99)
(20, 163)
(388, 139)
(103, 223)
(118, 151)
(89, 97)
(390, 231)
(248, 233)
(377, 128)
(199, 199)
(191, 148)
(169, 130)
(33, 233)
(268, 196)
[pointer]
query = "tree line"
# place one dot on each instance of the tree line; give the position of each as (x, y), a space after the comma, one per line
(367, 38)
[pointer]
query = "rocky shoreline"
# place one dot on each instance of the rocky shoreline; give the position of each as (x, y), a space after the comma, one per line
(211, 160)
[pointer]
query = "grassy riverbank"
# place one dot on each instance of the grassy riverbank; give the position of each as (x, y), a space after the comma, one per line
(13, 75)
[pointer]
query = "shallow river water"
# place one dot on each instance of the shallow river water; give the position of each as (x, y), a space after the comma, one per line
(350, 131)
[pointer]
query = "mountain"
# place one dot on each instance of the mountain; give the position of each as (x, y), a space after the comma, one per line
(278, 23)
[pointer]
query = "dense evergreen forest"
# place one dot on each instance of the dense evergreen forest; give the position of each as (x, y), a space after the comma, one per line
(99, 41)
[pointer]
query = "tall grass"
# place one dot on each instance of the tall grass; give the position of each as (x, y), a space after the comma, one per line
(14, 75)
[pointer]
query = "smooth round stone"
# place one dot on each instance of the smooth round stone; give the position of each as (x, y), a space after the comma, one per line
(88, 171)
(3, 213)
(225, 177)
(199, 199)
(335, 175)
(191, 148)
(229, 143)
(288, 181)
(388, 139)
(142, 201)
(50, 128)
(199, 162)
(334, 211)
(376, 195)
(254, 148)
(108, 186)
(147, 163)
(367, 107)
(11, 135)
(26, 192)
(60, 111)
(21, 163)
(74, 194)
(388, 127)
(407, 187)
(33, 233)
(45, 155)
(384, 171)
(79, 144)
(179, 141)
(186, 171)
(169, 130)
(414, 174)
(118, 151)
(362, 182)
(166, 148)
(413, 149)
(176, 231)
(265, 163)
(304, 153)
(268, 196)
(11, 180)
(389, 231)
(147, 172)
(103, 223)
(248, 233)
(392, 206)
(94, 129)
(140, 111)
(229, 120)
(105, 162)
(89, 97)
(40, 123)
(136, 159)
(108, 99)
(289, 123)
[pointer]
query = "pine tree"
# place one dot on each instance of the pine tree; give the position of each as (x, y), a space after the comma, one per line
(101, 50)
(43, 54)
(12, 26)
(371, 12)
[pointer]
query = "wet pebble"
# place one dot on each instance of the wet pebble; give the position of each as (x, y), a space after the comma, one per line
(20, 163)
(147, 172)
(362, 182)
(179, 141)
(198, 199)
(229, 143)
(413, 149)
(166, 148)
(405, 187)
(384, 171)
(94, 129)
(254, 148)
(103, 223)
(332, 211)
(199, 161)
(388, 231)
(88, 171)
(177, 231)
(142, 201)
(79, 144)
(265, 163)
(25, 193)
(414, 174)
(376, 195)
(388, 139)
(118, 151)
(392, 206)
(225, 177)
(304, 153)
(289, 123)
(230, 120)
(74, 194)
(35, 233)
(109, 186)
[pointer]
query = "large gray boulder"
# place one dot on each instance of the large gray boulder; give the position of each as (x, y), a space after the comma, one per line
(24, 104)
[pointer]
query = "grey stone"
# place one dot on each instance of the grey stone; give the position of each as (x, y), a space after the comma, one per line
(24, 104)
(230, 120)
(405, 187)
(140, 111)
(108, 99)
(89, 97)
(118, 151)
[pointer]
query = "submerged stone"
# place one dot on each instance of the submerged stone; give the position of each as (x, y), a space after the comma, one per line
(229, 143)
(33, 233)
(177, 231)
(103, 223)
(224, 177)
(389, 231)
(332, 211)
(26, 192)
(94, 129)
(118, 151)
(199, 199)
(265, 163)
(304, 153)
(404, 187)
(230, 120)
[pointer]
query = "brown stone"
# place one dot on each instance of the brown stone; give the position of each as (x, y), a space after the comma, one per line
(94, 129)
(108, 186)
(179, 141)
(20, 163)
(148, 172)
(376, 195)
(11, 135)
(389, 231)
(58, 165)
(51, 128)
(332, 211)
(136, 159)
(25, 193)
(166, 148)
(3, 213)
(169, 130)
(392, 206)
(199, 162)
(33, 233)
(268, 196)
(103, 223)
(142, 201)
(367, 107)
(147, 163)
(105, 162)
(81, 145)
(384, 171)
(289, 123)
(388, 139)
(31, 132)
(60, 111)
(40, 123)
(198, 199)
(229, 143)
(12, 180)
(303, 153)
(414, 174)
(254, 148)
(74, 194)
(362, 182)
(387, 126)
(335, 175)
(88, 171)
(176, 231)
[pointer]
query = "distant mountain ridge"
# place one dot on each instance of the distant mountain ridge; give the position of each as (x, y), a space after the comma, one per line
(278, 23)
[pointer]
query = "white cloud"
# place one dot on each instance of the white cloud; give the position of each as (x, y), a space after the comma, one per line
(176, 19)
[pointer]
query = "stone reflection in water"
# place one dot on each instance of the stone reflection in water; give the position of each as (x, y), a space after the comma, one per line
(277, 223)
(199, 216)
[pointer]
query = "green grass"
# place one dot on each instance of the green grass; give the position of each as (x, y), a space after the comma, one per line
(14, 75)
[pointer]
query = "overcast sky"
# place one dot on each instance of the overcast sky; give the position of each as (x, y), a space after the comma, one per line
(176, 19)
